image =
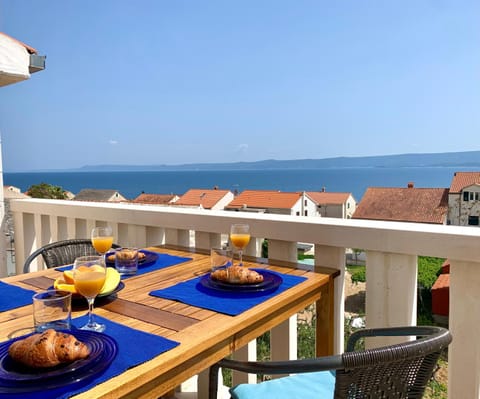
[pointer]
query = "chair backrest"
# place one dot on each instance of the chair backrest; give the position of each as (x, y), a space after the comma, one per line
(62, 252)
(397, 371)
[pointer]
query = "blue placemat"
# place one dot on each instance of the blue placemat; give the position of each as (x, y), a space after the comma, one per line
(134, 347)
(12, 297)
(163, 260)
(232, 303)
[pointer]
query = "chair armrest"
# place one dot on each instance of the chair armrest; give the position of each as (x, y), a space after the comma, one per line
(284, 367)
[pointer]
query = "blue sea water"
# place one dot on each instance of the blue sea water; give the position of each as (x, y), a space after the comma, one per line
(131, 184)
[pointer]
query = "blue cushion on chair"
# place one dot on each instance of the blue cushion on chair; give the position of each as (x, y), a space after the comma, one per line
(318, 385)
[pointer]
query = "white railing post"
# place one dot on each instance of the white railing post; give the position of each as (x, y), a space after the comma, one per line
(205, 240)
(464, 319)
(391, 300)
(283, 338)
(155, 236)
(334, 257)
(20, 242)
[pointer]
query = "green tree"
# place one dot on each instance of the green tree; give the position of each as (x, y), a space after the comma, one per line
(47, 191)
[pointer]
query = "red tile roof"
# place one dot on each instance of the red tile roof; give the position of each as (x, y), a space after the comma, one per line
(264, 199)
(423, 205)
(461, 180)
(161, 199)
(197, 197)
(321, 197)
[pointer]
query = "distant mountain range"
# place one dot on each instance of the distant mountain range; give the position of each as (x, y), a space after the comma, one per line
(448, 159)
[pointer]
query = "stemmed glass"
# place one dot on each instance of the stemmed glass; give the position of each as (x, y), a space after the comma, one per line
(102, 239)
(240, 237)
(89, 274)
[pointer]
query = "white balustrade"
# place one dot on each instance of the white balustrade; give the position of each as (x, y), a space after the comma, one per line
(392, 250)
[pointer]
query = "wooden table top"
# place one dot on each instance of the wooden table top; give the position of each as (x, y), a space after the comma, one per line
(204, 335)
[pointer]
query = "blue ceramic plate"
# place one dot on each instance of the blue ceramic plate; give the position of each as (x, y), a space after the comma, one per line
(149, 259)
(270, 281)
(16, 378)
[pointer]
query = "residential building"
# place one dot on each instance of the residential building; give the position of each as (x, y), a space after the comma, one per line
(90, 194)
(267, 201)
(156, 199)
(333, 205)
(420, 205)
(464, 199)
(213, 199)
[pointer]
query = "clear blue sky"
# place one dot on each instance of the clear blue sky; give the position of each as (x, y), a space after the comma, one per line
(173, 82)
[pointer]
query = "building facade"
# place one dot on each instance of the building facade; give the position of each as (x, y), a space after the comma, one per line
(464, 199)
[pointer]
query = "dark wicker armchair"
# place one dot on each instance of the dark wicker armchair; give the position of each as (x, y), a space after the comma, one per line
(396, 371)
(62, 252)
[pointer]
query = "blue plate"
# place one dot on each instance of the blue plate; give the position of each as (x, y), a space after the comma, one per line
(149, 259)
(16, 378)
(270, 281)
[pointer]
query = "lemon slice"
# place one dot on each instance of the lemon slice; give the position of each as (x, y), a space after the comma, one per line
(111, 281)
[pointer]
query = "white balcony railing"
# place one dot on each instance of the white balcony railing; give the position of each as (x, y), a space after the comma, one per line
(391, 250)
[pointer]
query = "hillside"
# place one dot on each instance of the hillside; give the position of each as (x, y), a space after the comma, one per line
(449, 159)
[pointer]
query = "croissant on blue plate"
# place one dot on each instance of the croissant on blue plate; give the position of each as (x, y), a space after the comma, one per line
(48, 349)
(237, 275)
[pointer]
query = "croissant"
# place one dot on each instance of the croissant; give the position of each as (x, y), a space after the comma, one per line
(237, 275)
(48, 349)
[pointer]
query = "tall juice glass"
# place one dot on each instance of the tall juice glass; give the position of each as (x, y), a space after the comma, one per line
(89, 273)
(240, 237)
(102, 239)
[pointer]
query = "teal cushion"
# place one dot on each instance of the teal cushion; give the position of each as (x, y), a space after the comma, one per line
(318, 385)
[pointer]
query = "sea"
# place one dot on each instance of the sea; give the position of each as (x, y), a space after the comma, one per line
(132, 184)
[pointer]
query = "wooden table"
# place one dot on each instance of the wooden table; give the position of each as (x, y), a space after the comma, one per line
(205, 336)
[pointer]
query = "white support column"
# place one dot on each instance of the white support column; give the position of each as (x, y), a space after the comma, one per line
(391, 286)
(54, 228)
(282, 250)
(19, 244)
(89, 226)
(254, 247)
(283, 338)
(177, 237)
(464, 319)
(204, 240)
(3, 222)
(71, 229)
(334, 257)
(246, 353)
(155, 236)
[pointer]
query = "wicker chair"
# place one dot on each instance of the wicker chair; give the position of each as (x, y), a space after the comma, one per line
(396, 371)
(62, 252)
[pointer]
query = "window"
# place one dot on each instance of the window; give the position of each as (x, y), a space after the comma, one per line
(476, 196)
(473, 220)
(465, 195)
(471, 196)
(306, 213)
(305, 202)
(298, 213)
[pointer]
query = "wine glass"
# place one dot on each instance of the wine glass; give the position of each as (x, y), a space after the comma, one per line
(240, 237)
(89, 274)
(102, 239)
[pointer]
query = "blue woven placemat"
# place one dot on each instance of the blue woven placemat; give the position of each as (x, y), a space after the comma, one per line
(232, 303)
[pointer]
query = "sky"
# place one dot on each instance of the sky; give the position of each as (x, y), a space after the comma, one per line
(173, 82)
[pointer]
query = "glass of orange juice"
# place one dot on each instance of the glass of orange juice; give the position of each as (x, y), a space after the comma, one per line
(89, 273)
(240, 237)
(102, 239)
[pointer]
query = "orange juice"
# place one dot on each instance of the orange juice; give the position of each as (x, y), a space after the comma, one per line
(102, 244)
(89, 283)
(239, 241)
